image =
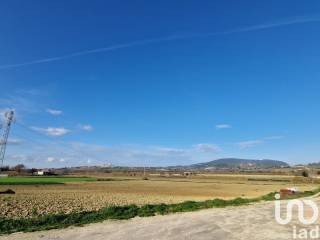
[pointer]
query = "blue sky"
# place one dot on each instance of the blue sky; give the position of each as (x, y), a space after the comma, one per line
(160, 83)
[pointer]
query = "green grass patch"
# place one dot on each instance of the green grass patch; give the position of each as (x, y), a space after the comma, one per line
(43, 180)
(46, 222)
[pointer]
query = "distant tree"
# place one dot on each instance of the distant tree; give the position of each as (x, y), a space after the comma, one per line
(4, 168)
(19, 168)
(32, 170)
(305, 173)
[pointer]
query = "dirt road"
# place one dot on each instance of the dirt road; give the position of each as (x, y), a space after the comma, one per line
(247, 222)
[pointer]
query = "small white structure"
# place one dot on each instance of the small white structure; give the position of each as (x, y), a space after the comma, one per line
(40, 173)
(43, 172)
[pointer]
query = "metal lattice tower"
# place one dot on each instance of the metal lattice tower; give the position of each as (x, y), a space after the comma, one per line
(9, 116)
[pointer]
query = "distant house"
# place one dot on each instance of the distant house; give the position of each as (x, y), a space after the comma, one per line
(40, 173)
(44, 173)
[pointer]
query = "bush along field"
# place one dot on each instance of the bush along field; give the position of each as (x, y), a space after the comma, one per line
(46, 222)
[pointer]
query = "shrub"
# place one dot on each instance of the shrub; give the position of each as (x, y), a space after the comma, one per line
(305, 173)
(147, 211)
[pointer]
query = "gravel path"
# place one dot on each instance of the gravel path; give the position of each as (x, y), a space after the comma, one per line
(247, 222)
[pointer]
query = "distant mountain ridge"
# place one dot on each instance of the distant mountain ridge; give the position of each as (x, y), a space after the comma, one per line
(237, 163)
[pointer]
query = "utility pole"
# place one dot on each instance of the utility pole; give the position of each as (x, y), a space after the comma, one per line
(9, 117)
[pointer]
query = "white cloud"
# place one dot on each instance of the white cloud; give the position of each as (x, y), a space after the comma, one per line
(78, 153)
(51, 131)
(64, 153)
(207, 147)
(223, 126)
(274, 137)
(86, 127)
(54, 112)
(54, 159)
(51, 159)
(248, 144)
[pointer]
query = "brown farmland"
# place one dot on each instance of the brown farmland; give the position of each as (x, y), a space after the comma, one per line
(31, 200)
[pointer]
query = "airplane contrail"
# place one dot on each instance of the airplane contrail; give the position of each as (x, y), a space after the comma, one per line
(163, 39)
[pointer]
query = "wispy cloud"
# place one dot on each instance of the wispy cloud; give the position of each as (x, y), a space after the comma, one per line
(248, 144)
(85, 127)
(252, 143)
(59, 154)
(274, 137)
(223, 126)
(115, 47)
(51, 131)
(50, 159)
(170, 151)
(12, 141)
(54, 112)
(207, 147)
(31, 91)
(18, 103)
(22, 101)
(2, 115)
(55, 159)
(20, 158)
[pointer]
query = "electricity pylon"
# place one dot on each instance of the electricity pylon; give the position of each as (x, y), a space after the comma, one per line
(9, 117)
